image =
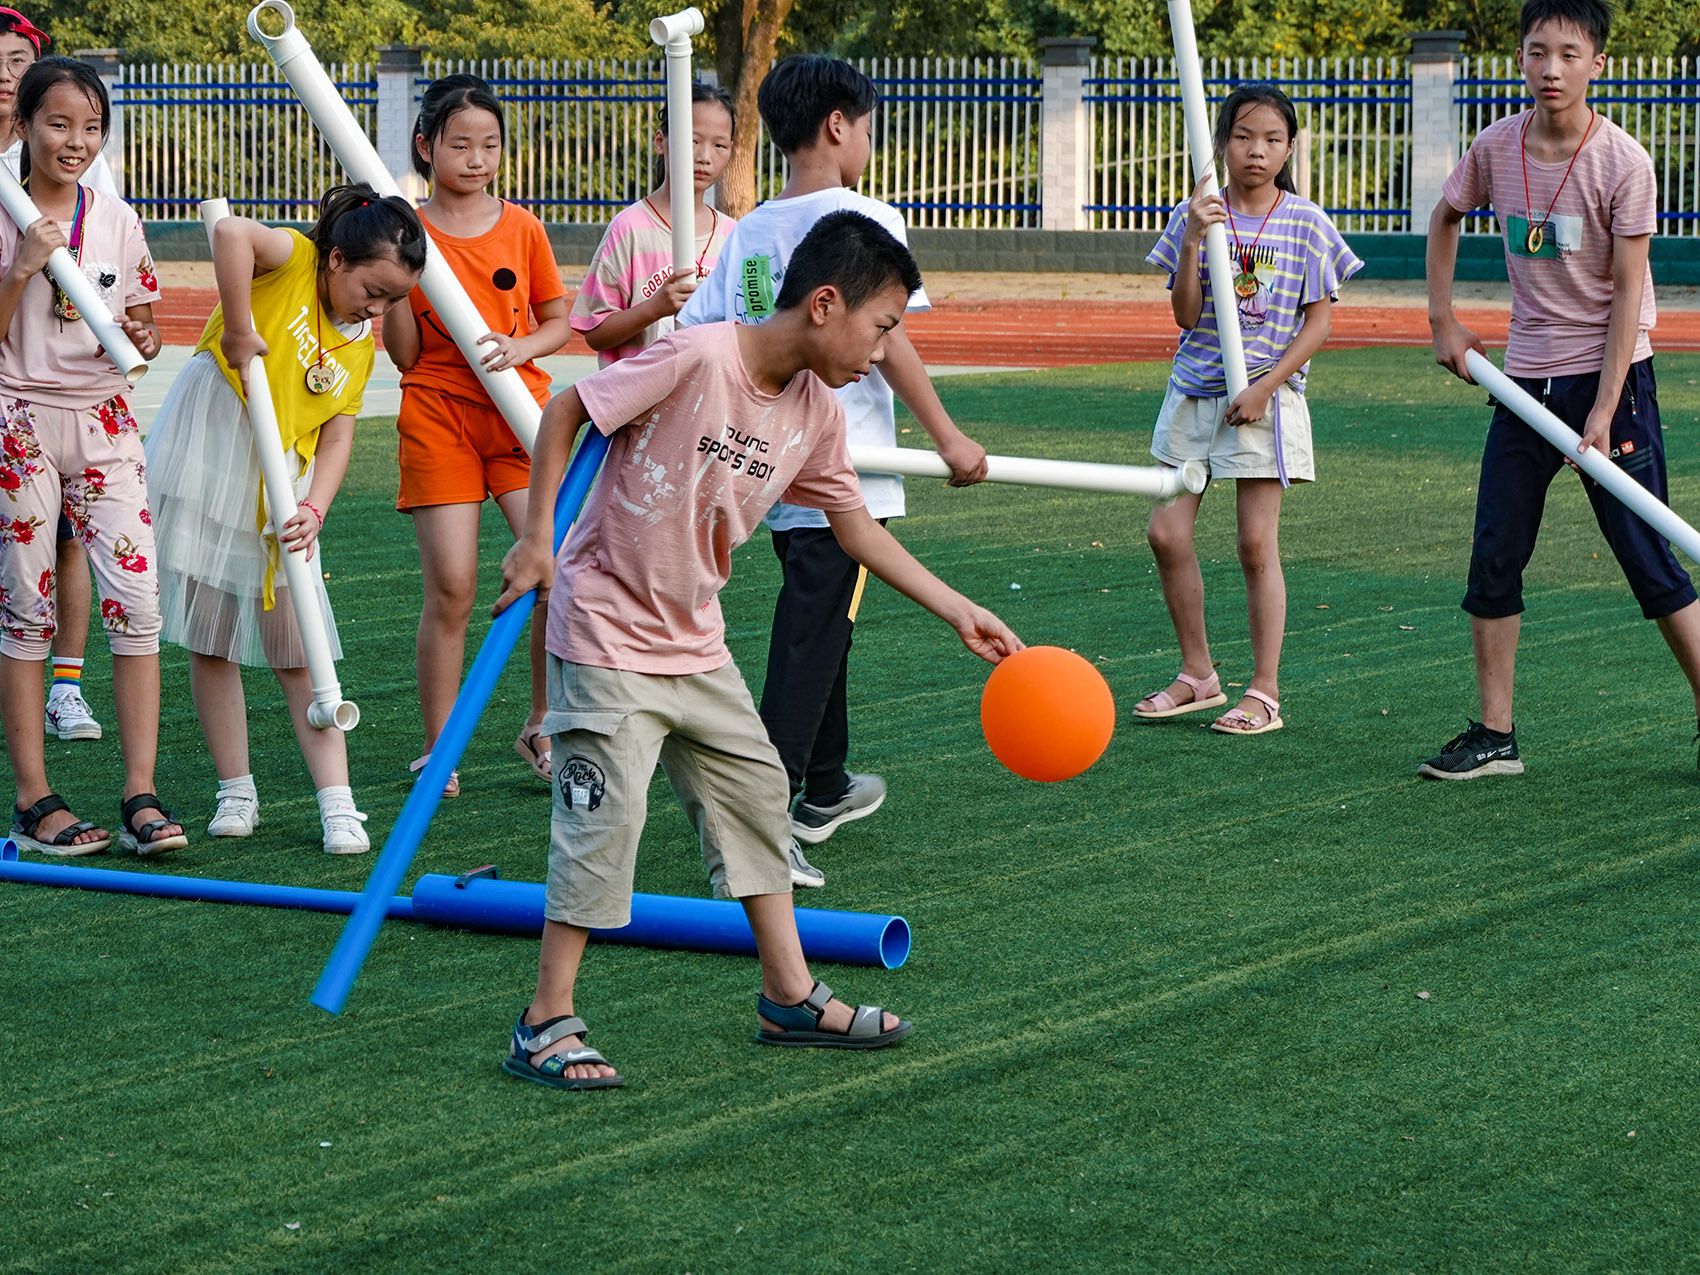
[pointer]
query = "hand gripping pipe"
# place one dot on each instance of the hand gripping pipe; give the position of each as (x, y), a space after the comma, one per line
(674, 33)
(354, 150)
(1158, 481)
(343, 967)
(1640, 502)
(328, 709)
(1198, 139)
(75, 284)
(493, 906)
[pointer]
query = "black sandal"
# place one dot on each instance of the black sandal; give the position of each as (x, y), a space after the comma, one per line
(143, 840)
(64, 844)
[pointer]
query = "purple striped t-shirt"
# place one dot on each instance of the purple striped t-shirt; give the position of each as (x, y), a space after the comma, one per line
(1300, 258)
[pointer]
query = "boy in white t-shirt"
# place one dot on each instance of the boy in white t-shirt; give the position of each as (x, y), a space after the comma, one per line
(819, 112)
(708, 428)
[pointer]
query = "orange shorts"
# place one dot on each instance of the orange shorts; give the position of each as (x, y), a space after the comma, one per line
(455, 451)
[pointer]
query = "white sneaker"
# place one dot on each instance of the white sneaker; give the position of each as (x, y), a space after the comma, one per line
(237, 815)
(69, 715)
(343, 833)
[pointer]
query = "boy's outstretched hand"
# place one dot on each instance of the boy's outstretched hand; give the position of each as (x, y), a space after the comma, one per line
(529, 565)
(986, 635)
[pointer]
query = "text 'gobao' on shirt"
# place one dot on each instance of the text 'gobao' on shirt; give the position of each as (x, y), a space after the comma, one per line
(1297, 257)
(1561, 292)
(705, 454)
(744, 288)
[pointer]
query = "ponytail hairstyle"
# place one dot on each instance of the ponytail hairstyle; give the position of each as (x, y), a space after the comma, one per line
(442, 101)
(41, 77)
(368, 227)
(700, 92)
(1248, 95)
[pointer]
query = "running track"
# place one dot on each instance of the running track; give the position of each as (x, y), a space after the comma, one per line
(1067, 333)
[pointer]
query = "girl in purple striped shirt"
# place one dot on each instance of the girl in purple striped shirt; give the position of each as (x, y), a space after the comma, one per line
(1288, 264)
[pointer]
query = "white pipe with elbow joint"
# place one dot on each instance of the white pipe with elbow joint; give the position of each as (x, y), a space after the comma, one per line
(64, 270)
(674, 33)
(1199, 141)
(328, 709)
(354, 150)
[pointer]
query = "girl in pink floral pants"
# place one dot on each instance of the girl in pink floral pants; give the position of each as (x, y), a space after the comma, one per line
(68, 442)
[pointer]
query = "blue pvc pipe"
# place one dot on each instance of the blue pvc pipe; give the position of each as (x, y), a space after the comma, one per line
(198, 889)
(661, 920)
(349, 954)
(509, 907)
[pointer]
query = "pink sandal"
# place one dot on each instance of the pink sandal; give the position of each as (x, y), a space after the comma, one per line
(1206, 693)
(1237, 721)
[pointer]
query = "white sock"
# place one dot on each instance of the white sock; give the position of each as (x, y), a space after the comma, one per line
(241, 786)
(335, 795)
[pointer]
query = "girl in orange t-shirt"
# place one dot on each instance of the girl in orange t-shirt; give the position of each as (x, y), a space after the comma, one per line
(455, 446)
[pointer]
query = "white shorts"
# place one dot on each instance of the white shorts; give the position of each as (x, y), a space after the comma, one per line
(1191, 428)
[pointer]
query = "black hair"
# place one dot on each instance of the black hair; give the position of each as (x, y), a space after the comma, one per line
(700, 92)
(803, 90)
(368, 227)
(1591, 17)
(853, 253)
(442, 101)
(1248, 95)
(41, 77)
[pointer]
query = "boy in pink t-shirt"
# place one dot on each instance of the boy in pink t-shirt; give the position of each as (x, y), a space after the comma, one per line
(709, 428)
(1576, 201)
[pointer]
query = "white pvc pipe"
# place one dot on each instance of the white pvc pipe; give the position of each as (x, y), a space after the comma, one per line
(674, 33)
(1640, 502)
(1199, 142)
(76, 285)
(354, 150)
(328, 709)
(1158, 481)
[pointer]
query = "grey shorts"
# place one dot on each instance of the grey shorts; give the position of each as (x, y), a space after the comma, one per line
(1191, 428)
(610, 727)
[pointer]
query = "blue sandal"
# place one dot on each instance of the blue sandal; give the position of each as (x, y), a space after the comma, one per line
(529, 1039)
(801, 1024)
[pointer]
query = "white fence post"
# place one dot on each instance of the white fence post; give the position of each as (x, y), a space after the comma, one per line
(398, 71)
(106, 63)
(1434, 119)
(1065, 133)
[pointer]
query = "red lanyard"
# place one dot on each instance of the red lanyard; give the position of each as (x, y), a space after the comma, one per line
(1246, 284)
(712, 226)
(1537, 230)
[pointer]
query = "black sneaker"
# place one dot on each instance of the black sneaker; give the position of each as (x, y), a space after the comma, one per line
(1473, 754)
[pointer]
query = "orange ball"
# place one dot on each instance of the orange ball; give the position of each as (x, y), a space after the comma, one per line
(1047, 713)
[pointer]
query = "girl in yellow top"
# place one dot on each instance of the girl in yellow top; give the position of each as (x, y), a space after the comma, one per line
(313, 299)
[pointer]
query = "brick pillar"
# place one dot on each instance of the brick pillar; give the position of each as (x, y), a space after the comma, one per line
(107, 64)
(1065, 135)
(399, 69)
(1434, 119)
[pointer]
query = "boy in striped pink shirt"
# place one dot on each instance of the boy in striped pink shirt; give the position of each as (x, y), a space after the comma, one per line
(1577, 205)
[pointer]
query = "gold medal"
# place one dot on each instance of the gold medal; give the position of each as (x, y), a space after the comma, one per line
(1537, 236)
(1245, 283)
(62, 306)
(320, 379)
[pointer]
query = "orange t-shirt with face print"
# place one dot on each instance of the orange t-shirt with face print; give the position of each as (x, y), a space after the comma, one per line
(506, 271)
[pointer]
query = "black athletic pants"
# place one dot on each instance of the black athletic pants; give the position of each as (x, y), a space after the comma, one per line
(808, 663)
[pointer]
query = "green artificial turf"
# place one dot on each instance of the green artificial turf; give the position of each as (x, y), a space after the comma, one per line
(1219, 1004)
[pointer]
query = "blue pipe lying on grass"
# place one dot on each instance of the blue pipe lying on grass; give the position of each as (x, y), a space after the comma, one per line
(493, 906)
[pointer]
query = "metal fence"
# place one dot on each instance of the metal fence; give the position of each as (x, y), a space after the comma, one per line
(1655, 100)
(232, 129)
(1353, 154)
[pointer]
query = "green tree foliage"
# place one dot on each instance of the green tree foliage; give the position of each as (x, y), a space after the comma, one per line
(1140, 28)
(341, 31)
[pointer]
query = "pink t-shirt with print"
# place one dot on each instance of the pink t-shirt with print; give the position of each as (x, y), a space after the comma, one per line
(51, 360)
(633, 261)
(706, 454)
(1561, 295)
